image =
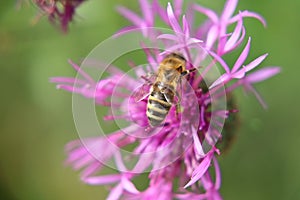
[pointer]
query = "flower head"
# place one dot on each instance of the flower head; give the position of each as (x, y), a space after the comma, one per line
(178, 154)
(62, 11)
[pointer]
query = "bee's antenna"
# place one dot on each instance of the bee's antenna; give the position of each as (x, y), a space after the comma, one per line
(188, 71)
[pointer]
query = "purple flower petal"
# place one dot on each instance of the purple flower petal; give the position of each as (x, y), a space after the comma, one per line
(235, 36)
(208, 12)
(102, 180)
(239, 74)
(91, 169)
(66, 80)
(119, 162)
(257, 95)
(197, 144)
(123, 31)
(173, 21)
(227, 50)
(186, 28)
(262, 74)
(115, 193)
(161, 11)
(222, 79)
(222, 43)
(85, 75)
(247, 13)
(242, 57)
(217, 174)
(255, 62)
(200, 170)
(221, 61)
(211, 37)
(229, 8)
(131, 16)
(168, 36)
(129, 186)
(178, 7)
(147, 12)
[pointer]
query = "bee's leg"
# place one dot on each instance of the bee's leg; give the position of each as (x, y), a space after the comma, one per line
(167, 93)
(149, 78)
(146, 80)
(179, 108)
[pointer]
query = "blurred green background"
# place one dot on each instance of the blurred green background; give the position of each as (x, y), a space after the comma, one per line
(36, 119)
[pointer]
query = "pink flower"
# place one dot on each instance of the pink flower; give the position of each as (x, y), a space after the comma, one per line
(61, 11)
(217, 31)
(184, 149)
(147, 20)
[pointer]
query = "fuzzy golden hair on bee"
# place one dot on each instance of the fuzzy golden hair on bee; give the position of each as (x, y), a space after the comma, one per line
(174, 61)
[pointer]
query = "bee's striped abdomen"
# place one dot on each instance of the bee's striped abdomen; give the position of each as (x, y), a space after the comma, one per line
(157, 109)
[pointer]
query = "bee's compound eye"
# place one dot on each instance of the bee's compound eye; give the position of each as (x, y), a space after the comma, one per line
(179, 68)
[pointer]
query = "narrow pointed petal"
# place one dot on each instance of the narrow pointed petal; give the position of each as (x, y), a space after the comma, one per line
(160, 11)
(168, 37)
(217, 174)
(200, 170)
(173, 21)
(211, 37)
(241, 39)
(193, 41)
(257, 95)
(197, 144)
(255, 62)
(102, 180)
(186, 27)
(208, 12)
(116, 193)
(131, 16)
(239, 74)
(242, 57)
(247, 13)
(119, 162)
(129, 186)
(222, 43)
(72, 145)
(65, 80)
(222, 79)
(178, 7)
(229, 9)
(91, 169)
(123, 31)
(221, 61)
(263, 74)
(235, 36)
(85, 75)
(147, 12)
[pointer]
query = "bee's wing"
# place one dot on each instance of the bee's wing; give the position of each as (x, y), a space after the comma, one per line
(149, 78)
(141, 92)
(144, 90)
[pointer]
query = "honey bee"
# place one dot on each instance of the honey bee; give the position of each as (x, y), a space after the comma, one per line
(164, 89)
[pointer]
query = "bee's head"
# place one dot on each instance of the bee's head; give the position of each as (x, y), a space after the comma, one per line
(175, 61)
